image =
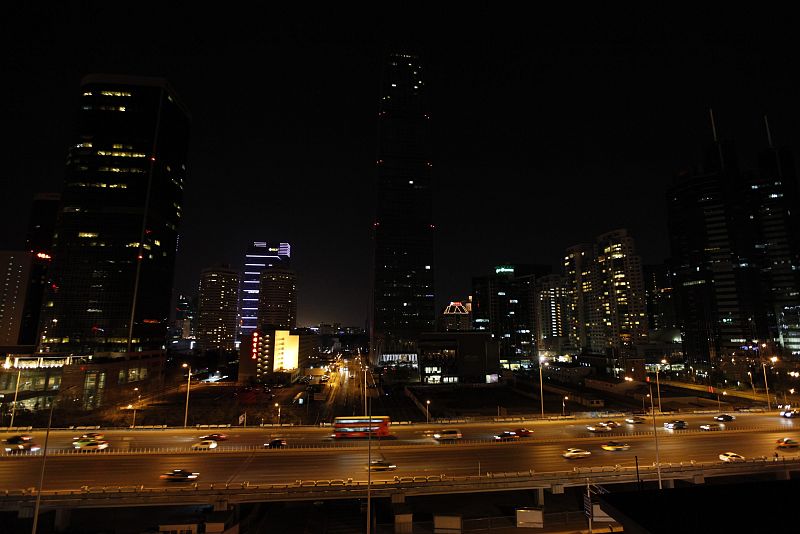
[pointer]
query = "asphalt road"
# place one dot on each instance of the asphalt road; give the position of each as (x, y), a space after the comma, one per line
(417, 434)
(427, 458)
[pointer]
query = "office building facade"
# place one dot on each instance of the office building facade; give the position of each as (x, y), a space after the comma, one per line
(218, 315)
(403, 267)
(551, 314)
(15, 269)
(277, 307)
(112, 266)
(260, 256)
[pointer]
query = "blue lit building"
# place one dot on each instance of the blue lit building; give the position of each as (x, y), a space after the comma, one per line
(260, 257)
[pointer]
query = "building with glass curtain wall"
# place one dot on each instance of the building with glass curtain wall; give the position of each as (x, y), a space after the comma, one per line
(260, 256)
(110, 280)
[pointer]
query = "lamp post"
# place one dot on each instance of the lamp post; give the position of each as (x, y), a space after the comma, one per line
(564, 406)
(753, 385)
(658, 386)
(655, 434)
(188, 385)
(278, 406)
(766, 386)
(541, 384)
(14, 404)
(643, 398)
(427, 411)
(134, 406)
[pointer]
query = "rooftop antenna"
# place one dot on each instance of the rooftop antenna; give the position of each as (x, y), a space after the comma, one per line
(769, 134)
(716, 140)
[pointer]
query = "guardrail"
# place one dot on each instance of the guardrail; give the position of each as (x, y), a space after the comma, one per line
(410, 485)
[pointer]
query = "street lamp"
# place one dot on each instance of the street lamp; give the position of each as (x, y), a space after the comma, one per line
(719, 405)
(753, 384)
(278, 406)
(134, 406)
(188, 385)
(766, 386)
(658, 386)
(655, 434)
(427, 411)
(564, 406)
(541, 384)
(643, 398)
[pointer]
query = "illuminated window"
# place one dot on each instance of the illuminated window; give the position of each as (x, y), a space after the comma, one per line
(87, 234)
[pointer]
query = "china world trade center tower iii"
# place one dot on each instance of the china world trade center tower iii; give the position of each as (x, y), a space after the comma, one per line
(403, 295)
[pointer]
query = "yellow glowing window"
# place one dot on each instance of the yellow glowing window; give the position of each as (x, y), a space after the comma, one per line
(87, 234)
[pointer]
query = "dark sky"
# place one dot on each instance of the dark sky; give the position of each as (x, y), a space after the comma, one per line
(549, 128)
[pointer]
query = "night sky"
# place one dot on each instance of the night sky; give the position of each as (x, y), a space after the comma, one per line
(549, 128)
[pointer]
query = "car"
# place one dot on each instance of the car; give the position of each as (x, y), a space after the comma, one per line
(724, 417)
(18, 448)
(787, 443)
(506, 436)
(97, 445)
(89, 436)
(615, 446)
(178, 475)
(381, 465)
(205, 445)
(790, 413)
(636, 420)
(674, 425)
(600, 427)
(275, 443)
(215, 437)
(524, 432)
(731, 457)
(22, 438)
(447, 434)
(576, 453)
(612, 424)
(711, 426)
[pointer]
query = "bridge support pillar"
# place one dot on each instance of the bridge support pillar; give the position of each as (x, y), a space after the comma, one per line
(557, 489)
(668, 483)
(539, 496)
(63, 516)
(782, 475)
(221, 505)
(398, 498)
(699, 479)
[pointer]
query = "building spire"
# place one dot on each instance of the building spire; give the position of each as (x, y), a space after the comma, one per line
(716, 141)
(769, 134)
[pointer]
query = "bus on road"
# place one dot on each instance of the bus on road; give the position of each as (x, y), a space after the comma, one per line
(359, 426)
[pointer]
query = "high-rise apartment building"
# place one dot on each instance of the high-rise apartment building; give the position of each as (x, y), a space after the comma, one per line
(551, 313)
(117, 233)
(277, 306)
(659, 297)
(403, 292)
(578, 273)
(618, 316)
(15, 268)
(260, 256)
(218, 316)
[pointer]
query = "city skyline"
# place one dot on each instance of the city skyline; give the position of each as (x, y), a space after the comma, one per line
(559, 121)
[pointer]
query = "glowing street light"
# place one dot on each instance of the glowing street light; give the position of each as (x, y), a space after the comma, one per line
(188, 385)
(278, 406)
(564, 406)
(541, 384)
(427, 411)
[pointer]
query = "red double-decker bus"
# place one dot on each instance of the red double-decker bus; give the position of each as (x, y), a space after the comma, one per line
(359, 426)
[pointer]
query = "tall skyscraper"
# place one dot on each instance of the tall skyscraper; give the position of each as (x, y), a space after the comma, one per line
(39, 242)
(260, 256)
(719, 293)
(114, 252)
(218, 309)
(15, 267)
(278, 299)
(659, 296)
(776, 216)
(403, 292)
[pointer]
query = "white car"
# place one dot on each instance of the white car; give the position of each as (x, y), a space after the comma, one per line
(205, 445)
(731, 457)
(711, 426)
(98, 445)
(448, 434)
(634, 420)
(600, 427)
(575, 453)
